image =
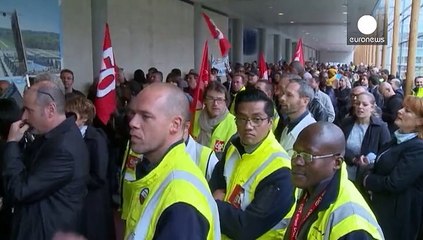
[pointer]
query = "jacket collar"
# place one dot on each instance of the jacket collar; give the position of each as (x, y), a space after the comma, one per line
(61, 128)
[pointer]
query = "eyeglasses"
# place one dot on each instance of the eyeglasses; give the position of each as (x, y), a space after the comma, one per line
(213, 100)
(308, 158)
(256, 121)
(46, 93)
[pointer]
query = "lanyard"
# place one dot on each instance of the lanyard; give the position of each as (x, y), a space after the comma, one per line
(298, 222)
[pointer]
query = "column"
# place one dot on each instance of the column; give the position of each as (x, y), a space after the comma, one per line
(288, 50)
(277, 48)
(385, 25)
(98, 18)
(262, 41)
(199, 38)
(395, 35)
(412, 45)
(237, 41)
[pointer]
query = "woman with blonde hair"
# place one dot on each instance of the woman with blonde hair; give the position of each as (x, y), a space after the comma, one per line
(98, 216)
(395, 182)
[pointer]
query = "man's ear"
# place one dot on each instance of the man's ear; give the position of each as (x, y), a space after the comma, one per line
(338, 162)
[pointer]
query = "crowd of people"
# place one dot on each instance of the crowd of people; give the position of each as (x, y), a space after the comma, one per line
(306, 152)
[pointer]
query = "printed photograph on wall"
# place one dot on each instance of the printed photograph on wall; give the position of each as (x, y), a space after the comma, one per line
(29, 37)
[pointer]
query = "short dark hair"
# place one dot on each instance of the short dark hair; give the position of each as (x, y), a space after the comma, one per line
(255, 95)
(9, 113)
(218, 87)
(374, 79)
(67, 71)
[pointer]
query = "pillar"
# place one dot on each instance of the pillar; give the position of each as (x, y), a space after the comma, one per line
(288, 50)
(199, 38)
(237, 41)
(395, 36)
(412, 45)
(98, 18)
(277, 48)
(385, 26)
(262, 41)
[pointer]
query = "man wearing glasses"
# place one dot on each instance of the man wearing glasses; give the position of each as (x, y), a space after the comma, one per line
(46, 182)
(251, 184)
(329, 206)
(214, 125)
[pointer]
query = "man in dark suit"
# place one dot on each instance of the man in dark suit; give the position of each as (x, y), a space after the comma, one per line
(46, 182)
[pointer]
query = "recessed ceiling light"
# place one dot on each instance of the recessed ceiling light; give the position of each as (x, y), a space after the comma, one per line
(270, 7)
(307, 33)
(345, 13)
(291, 22)
(280, 14)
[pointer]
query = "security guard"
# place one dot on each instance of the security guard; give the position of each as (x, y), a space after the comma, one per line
(330, 207)
(214, 125)
(252, 184)
(171, 199)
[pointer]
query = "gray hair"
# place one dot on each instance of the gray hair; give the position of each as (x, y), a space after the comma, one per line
(50, 77)
(396, 83)
(305, 90)
(49, 91)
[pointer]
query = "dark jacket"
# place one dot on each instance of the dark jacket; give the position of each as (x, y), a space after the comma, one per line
(342, 103)
(390, 110)
(396, 183)
(98, 216)
(48, 192)
(376, 136)
(378, 96)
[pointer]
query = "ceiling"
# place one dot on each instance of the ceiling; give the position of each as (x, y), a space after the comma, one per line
(322, 24)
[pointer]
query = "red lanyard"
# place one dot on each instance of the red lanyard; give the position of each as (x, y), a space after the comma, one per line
(297, 221)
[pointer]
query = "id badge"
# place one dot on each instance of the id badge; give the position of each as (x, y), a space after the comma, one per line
(236, 196)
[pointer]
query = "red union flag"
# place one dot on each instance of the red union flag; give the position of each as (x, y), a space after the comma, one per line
(224, 43)
(202, 81)
(262, 67)
(299, 54)
(105, 101)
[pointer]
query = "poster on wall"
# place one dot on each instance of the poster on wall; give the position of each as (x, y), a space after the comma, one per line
(29, 38)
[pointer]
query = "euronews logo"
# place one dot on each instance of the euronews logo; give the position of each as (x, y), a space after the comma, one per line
(364, 29)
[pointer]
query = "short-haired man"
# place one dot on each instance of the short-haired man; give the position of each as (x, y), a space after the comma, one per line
(418, 86)
(251, 184)
(294, 104)
(172, 199)
(68, 79)
(47, 181)
(397, 86)
(214, 125)
(238, 85)
(329, 207)
(392, 103)
(267, 88)
(374, 81)
(252, 78)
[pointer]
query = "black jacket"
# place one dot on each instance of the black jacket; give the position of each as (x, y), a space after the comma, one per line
(98, 216)
(396, 183)
(390, 110)
(376, 136)
(48, 188)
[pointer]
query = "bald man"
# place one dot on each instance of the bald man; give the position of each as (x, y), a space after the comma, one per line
(171, 198)
(392, 103)
(46, 181)
(329, 207)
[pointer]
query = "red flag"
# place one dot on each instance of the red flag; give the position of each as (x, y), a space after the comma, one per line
(224, 43)
(105, 101)
(262, 67)
(203, 79)
(299, 54)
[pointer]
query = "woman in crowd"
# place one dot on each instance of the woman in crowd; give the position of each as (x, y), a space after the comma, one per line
(98, 216)
(365, 133)
(396, 180)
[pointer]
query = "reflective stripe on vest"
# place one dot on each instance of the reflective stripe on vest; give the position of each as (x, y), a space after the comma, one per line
(346, 210)
(246, 199)
(146, 217)
(203, 158)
